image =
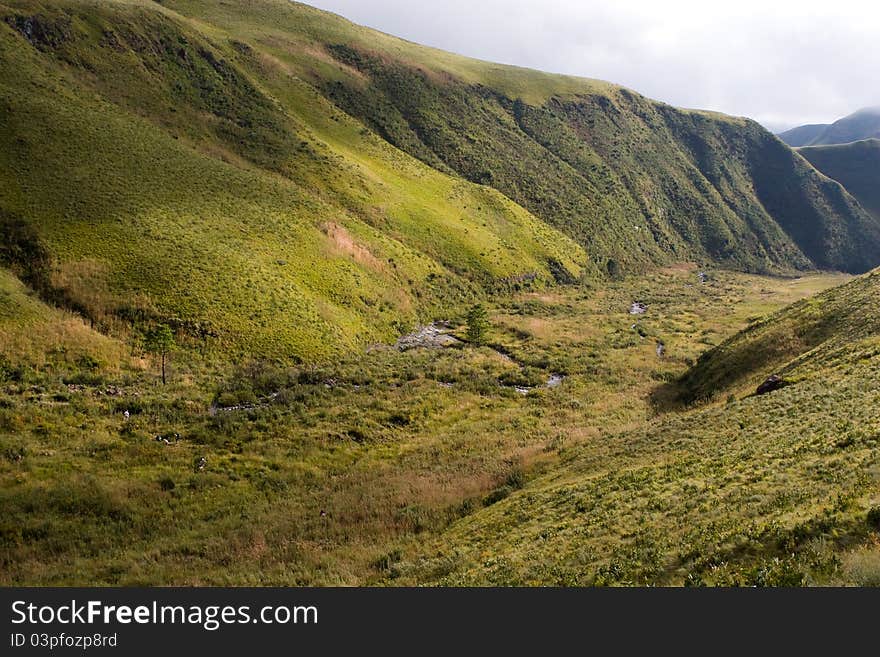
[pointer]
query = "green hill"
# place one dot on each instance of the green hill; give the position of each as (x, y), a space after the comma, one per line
(164, 181)
(864, 124)
(285, 189)
(273, 179)
(634, 181)
(809, 335)
(856, 166)
(777, 489)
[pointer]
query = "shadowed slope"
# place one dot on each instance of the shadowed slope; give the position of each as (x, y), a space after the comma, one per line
(856, 166)
(634, 181)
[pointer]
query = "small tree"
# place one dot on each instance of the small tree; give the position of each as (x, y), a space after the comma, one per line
(159, 340)
(613, 268)
(477, 325)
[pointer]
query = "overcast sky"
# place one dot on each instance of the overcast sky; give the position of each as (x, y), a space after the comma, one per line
(783, 63)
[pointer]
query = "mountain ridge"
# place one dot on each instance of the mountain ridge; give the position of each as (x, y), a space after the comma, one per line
(277, 180)
(856, 166)
(860, 125)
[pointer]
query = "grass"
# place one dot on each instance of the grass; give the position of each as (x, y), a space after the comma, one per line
(814, 332)
(776, 490)
(354, 473)
(280, 182)
(635, 182)
(290, 193)
(32, 335)
(261, 224)
(756, 492)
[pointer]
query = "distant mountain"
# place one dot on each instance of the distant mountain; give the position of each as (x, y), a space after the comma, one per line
(864, 124)
(856, 166)
(803, 135)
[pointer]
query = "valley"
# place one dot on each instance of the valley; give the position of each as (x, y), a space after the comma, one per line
(285, 300)
(404, 467)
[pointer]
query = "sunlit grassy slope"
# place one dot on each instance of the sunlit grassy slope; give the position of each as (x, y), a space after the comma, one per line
(33, 335)
(144, 154)
(634, 181)
(274, 181)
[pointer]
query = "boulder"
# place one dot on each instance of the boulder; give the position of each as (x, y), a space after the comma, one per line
(774, 382)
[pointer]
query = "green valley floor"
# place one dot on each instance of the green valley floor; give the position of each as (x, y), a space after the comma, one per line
(558, 453)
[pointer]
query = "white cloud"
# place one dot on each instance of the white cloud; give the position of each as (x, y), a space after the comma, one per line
(781, 62)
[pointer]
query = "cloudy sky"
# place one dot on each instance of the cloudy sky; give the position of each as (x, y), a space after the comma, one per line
(783, 63)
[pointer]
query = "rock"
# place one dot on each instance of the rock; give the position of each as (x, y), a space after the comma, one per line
(638, 308)
(432, 336)
(774, 382)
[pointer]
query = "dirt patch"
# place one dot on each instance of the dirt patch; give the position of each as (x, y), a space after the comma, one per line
(341, 241)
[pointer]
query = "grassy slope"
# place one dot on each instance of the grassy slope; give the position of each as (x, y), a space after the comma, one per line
(633, 181)
(769, 491)
(779, 489)
(856, 166)
(811, 330)
(154, 157)
(34, 335)
(195, 170)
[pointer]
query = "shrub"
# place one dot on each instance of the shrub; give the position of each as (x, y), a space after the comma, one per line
(477, 325)
(873, 517)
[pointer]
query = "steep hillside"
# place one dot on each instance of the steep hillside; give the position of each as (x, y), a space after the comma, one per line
(808, 336)
(273, 179)
(856, 166)
(864, 124)
(633, 181)
(165, 182)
